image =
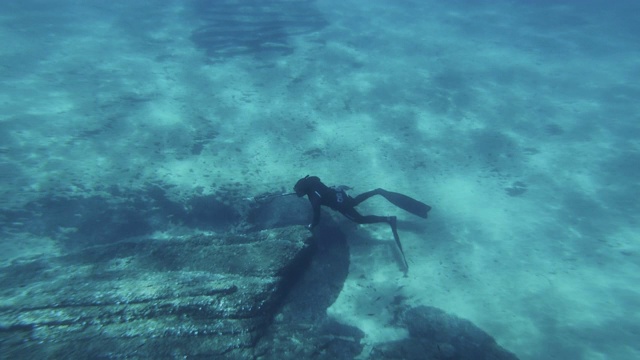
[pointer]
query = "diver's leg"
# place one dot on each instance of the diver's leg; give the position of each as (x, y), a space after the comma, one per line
(353, 215)
(402, 201)
(364, 196)
(406, 203)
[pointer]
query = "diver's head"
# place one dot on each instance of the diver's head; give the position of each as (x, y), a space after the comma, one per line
(303, 185)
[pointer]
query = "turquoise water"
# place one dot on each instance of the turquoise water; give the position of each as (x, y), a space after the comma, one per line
(516, 120)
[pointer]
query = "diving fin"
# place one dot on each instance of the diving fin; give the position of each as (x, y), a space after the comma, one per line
(394, 229)
(406, 203)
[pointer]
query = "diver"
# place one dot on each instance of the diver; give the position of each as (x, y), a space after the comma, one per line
(337, 199)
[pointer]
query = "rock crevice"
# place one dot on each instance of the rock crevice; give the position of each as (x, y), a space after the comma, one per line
(199, 295)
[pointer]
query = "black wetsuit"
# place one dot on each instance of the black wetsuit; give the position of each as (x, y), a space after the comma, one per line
(337, 199)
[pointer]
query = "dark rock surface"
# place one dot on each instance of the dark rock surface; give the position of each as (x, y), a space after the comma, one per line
(258, 291)
(210, 296)
(302, 329)
(118, 214)
(230, 27)
(277, 212)
(435, 335)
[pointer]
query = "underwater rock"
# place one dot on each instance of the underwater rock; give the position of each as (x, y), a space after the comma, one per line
(238, 27)
(208, 296)
(78, 221)
(278, 212)
(517, 188)
(302, 329)
(257, 295)
(434, 334)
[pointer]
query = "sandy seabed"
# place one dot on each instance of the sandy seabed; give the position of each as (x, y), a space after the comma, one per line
(518, 123)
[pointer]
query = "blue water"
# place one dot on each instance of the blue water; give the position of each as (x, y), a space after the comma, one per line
(517, 120)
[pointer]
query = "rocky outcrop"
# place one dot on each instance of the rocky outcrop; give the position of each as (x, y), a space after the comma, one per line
(259, 290)
(255, 28)
(436, 335)
(210, 296)
(301, 328)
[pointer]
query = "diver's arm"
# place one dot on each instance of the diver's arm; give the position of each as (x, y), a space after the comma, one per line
(315, 205)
